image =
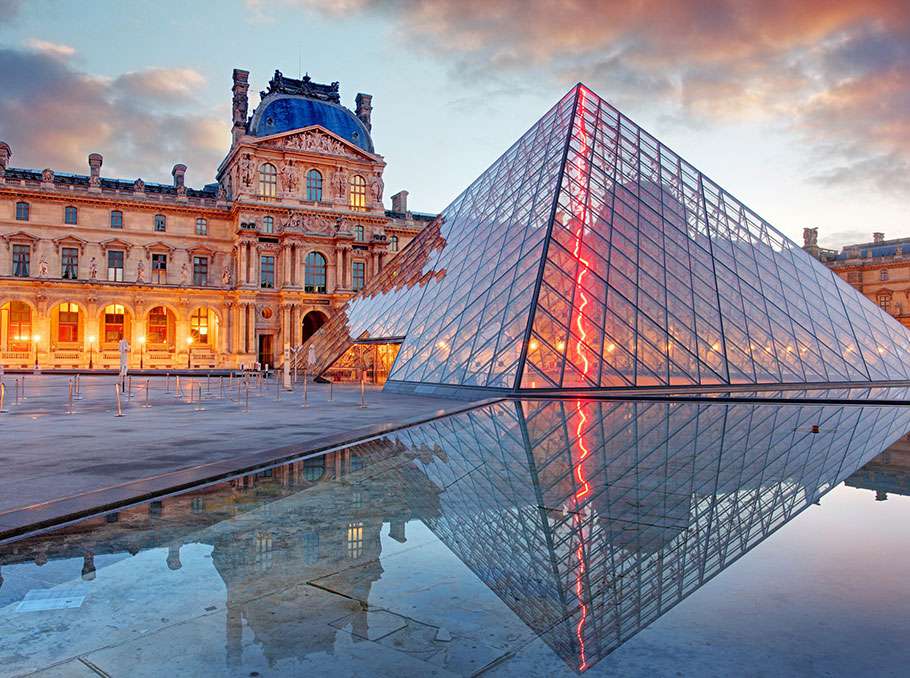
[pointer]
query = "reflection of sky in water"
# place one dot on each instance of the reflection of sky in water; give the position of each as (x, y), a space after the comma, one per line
(466, 528)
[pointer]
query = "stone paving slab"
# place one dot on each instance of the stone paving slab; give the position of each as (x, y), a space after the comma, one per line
(56, 464)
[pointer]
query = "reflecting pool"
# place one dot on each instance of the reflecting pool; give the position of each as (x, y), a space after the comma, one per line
(532, 538)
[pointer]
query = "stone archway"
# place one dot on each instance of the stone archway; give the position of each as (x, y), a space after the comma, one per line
(311, 322)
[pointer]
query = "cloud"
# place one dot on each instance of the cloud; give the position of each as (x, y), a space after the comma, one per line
(144, 122)
(9, 10)
(50, 48)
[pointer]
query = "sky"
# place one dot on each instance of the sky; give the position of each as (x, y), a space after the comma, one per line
(799, 109)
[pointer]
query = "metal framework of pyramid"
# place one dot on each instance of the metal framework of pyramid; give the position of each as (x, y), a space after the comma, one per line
(590, 256)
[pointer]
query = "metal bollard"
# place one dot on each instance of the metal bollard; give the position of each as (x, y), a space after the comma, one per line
(277, 390)
(70, 381)
(305, 380)
(222, 387)
(129, 390)
(77, 394)
(117, 395)
(148, 387)
(2, 397)
(208, 390)
(199, 406)
(246, 407)
(167, 382)
(363, 396)
(23, 387)
(331, 390)
(17, 392)
(177, 392)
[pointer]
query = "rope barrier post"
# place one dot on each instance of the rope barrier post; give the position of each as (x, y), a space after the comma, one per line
(277, 390)
(246, 407)
(70, 383)
(305, 386)
(17, 391)
(167, 382)
(208, 377)
(222, 387)
(148, 387)
(331, 390)
(199, 406)
(23, 387)
(2, 397)
(177, 393)
(363, 396)
(129, 390)
(117, 396)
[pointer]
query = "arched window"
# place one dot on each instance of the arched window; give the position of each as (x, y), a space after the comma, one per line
(114, 323)
(22, 210)
(314, 185)
(17, 317)
(158, 326)
(70, 215)
(68, 322)
(199, 325)
(358, 192)
(393, 243)
(268, 181)
(358, 233)
(268, 225)
(160, 223)
(202, 226)
(116, 219)
(314, 273)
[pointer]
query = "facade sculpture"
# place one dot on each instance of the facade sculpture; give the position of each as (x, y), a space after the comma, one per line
(232, 272)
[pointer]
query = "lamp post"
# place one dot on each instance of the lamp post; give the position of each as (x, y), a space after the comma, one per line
(35, 339)
(141, 353)
(189, 352)
(91, 351)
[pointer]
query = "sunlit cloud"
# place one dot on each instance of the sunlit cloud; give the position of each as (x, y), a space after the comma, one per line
(50, 48)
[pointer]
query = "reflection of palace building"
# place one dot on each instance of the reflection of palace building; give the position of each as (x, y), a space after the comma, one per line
(220, 276)
(879, 269)
(888, 473)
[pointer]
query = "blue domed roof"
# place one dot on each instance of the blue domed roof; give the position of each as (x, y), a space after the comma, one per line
(283, 113)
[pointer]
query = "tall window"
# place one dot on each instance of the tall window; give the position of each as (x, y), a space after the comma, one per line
(115, 265)
(884, 302)
(268, 181)
(357, 274)
(21, 259)
(199, 325)
(159, 269)
(393, 243)
(883, 274)
(358, 233)
(116, 219)
(114, 318)
(69, 263)
(22, 211)
(160, 223)
(354, 540)
(157, 326)
(314, 273)
(70, 215)
(314, 185)
(268, 225)
(19, 329)
(68, 322)
(200, 271)
(358, 192)
(267, 271)
(202, 227)
(313, 468)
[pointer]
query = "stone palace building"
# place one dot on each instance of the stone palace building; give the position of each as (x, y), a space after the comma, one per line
(223, 276)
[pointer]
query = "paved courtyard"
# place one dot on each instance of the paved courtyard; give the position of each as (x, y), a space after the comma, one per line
(56, 463)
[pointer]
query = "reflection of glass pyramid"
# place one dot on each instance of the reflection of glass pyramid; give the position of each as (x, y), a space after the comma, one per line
(591, 256)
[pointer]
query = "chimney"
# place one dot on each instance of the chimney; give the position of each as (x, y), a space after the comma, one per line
(94, 164)
(810, 237)
(241, 103)
(400, 202)
(364, 109)
(878, 238)
(5, 154)
(179, 172)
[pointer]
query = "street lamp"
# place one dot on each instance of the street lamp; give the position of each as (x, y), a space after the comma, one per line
(35, 339)
(91, 351)
(141, 353)
(189, 352)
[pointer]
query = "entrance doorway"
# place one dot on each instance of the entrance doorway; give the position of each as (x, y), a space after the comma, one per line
(312, 321)
(266, 351)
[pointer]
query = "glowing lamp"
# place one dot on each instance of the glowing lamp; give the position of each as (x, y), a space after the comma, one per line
(561, 346)
(533, 345)
(91, 339)
(141, 340)
(189, 340)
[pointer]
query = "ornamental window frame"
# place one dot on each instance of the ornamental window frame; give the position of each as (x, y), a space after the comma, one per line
(314, 272)
(314, 185)
(23, 211)
(358, 193)
(71, 215)
(268, 181)
(160, 223)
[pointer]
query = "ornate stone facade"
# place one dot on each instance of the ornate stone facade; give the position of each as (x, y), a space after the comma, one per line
(224, 276)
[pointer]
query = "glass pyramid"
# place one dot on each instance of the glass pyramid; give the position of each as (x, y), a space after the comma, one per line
(590, 256)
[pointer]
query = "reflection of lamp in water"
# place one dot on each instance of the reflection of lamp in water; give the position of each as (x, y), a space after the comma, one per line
(141, 352)
(35, 339)
(189, 351)
(91, 350)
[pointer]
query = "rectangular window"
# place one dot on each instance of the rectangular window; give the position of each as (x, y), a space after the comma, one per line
(884, 301)
(116, 219)
(883, 274)
(68, 323)
(70, 216)
(160, 223)
(200, 271)
(22, 210)
(21, 258)
(159, 269)
(69, 261)
(357, 274)
(202, 227)
(267, 271)
(115, 266)
(113, 323)
(268, 225)
(157, 330)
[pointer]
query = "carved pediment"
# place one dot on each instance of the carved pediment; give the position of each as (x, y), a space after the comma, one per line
(21, 238)
(201, 251)
(116, 244)
(158, 248)
(317, 139)
(69, 241)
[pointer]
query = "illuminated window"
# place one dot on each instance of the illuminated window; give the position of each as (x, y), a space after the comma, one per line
(200, 271)
(358, 233)
(268, 225)
(114, 319)
(202, 227)
(358, 192)
(267, 271)
(69, 263)
(70, 215)
(157, 326)
(268, 181)
(314, 273)
(115, 265)
(67, 322)
(21, 259)
(357, 274)
(160, 223)
(159, 269)
(263, 557)
(883, 274)
(393, 243)
(354, 540)
(314, 185)
(116, 219)
(22, 211)
(19, 327)
(199, 325)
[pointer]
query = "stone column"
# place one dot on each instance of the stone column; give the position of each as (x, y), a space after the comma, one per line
(251, 312)
(285, 325)
(338, 282)
(229, 327)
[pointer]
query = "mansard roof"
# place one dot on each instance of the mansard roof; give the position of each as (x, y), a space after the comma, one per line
(68, 179)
